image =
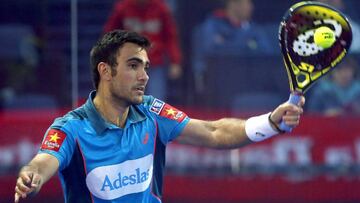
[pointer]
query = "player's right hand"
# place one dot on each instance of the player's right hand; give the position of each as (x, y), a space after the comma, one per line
(288, 113)
(26, 183)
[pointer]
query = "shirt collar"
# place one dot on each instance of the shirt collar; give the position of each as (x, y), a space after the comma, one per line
(98, 122)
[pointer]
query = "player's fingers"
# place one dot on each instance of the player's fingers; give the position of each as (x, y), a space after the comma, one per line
(291, 109)
(294, 112)
(292, 120)
(302, 101)
(285, 109)
(20, 192)
(26, 176)
(35, 181)
(21, 185)
(16, 198)
(291, 124)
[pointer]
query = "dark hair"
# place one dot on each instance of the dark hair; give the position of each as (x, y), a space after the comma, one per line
(106, 49)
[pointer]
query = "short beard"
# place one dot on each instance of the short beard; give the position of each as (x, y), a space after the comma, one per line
(124, 100)
(120, 99)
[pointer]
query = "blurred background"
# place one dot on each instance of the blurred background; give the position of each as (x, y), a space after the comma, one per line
(223, 60)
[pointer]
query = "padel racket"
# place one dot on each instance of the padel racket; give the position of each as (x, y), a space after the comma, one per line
(305, 61)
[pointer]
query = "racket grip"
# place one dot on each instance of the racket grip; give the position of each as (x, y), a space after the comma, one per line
(293, 99)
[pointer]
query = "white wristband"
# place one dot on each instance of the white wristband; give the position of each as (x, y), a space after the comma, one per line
(258, 128)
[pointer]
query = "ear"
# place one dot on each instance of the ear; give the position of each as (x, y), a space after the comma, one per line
(104, 71)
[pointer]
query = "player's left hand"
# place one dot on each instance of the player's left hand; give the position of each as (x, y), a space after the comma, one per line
(27, 183)
(289, 113)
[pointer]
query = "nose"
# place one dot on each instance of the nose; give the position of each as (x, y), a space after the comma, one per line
(142, 75)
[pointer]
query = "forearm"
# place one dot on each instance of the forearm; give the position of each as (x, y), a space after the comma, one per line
(34, 175)
(225, 133)
(240, 132)
(228, 133)
(43, 165)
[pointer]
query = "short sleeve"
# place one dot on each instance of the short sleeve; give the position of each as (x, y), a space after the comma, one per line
(58, 141)
(170, 121)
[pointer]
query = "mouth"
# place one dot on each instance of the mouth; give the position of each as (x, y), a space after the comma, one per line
(140, 89)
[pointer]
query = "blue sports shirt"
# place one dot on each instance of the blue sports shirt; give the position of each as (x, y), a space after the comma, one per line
(100, 162)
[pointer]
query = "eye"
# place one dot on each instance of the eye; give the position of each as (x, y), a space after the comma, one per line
(146, 68)
(133, 65)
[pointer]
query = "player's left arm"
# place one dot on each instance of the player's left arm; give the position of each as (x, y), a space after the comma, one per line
(228, 133)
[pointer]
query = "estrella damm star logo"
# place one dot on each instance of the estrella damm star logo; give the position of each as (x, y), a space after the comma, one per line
(172, 113)
(54, 137)
(53, 140)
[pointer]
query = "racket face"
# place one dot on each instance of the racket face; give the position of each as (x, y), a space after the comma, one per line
(305, 61)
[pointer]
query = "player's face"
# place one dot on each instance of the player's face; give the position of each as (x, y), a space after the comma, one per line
(129, 82)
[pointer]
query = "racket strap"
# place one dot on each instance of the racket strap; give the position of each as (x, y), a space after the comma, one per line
(276, 126)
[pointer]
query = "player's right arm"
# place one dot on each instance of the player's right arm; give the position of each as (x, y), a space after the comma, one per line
(32, 176)
(231, 133)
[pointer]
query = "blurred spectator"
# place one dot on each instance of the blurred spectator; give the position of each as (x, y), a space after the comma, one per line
(340, 93)
(232, 30)
(153, 19)
(228, 31)
(341, 5)
(18, 60)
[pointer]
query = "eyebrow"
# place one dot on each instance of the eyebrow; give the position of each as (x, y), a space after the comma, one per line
(147, 63)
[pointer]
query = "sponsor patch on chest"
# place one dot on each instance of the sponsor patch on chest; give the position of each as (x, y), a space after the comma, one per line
(114, 181)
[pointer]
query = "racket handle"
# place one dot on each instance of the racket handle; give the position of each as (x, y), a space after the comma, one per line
(293, 99)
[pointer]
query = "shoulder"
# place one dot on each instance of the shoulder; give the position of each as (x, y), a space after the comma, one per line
(151, 104)
(159, 109)
(147, 100)
(78, 114)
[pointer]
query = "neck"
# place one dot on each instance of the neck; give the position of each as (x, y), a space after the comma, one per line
(111, 110)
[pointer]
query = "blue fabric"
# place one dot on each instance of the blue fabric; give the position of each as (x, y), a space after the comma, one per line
(112, 160)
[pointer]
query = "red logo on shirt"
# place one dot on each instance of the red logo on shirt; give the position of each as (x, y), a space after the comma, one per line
(172, 113)
(53, 140)
(146, 138)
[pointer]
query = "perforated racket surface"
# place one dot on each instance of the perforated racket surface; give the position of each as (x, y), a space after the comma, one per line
(306, 62)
